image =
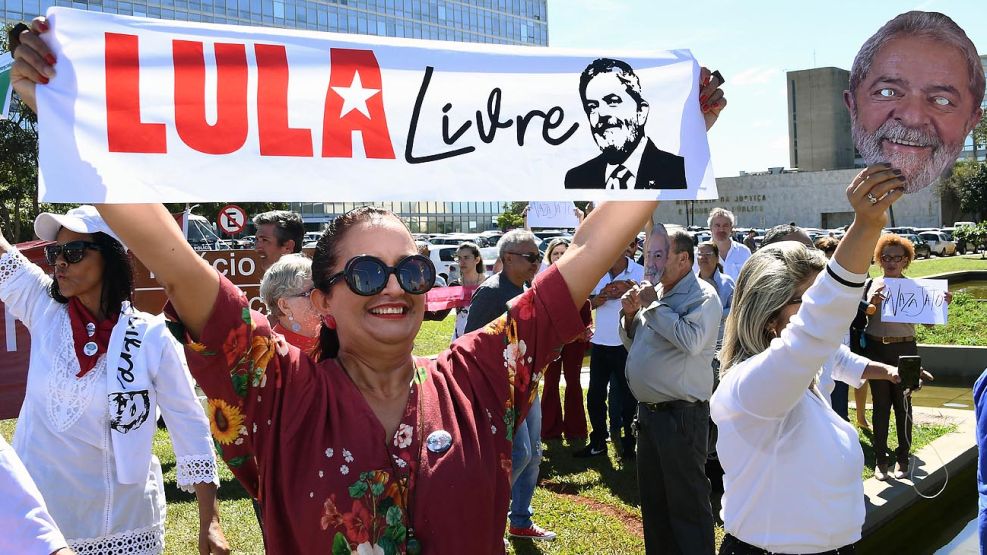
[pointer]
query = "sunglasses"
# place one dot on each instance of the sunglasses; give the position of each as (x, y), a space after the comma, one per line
(367, 275)
(889, 258)
(72, 252)
(530, 257)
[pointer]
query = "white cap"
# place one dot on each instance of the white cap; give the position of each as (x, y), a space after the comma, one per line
(84, 219)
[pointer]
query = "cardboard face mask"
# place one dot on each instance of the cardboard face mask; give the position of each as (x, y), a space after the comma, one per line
(912, 98)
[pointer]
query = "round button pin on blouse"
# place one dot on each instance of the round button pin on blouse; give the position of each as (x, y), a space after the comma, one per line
(90, 329)
(90, 349)
(439, 441)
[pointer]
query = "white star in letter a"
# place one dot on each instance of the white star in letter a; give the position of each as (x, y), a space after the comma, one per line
(355, 96)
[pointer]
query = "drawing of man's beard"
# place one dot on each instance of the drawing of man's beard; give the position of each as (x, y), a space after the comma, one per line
(920, 169)
(616, 138)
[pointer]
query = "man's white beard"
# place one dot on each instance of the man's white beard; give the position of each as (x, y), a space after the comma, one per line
(618, 141)
(919, 170)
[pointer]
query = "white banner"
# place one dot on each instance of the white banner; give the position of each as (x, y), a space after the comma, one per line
(147, 110)
(915, 301)
(561, 215)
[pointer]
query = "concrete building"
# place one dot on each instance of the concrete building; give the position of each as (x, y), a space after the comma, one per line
(818, 121)
(981, 150)
(810, 199)
(519, 22)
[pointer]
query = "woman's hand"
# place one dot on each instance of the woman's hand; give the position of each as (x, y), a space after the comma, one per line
(711, 99)
(878, 297)
(873, 191)
(870, 193)
(33, 62)
(948, 297)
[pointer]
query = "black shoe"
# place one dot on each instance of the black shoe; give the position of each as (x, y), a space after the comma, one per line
(591, 450)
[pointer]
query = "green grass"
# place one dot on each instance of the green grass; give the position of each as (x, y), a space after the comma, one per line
(930, 266)
(967, 324)
(922, 435)
(434, 337)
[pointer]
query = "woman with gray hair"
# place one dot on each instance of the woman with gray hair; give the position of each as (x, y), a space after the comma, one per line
(792, 466)
(285, 289)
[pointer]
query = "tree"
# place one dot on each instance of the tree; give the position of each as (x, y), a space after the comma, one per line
(968, 181)
(980, 136)
(18, 173)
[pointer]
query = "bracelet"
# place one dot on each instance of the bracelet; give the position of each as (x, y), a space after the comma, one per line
(14, 37)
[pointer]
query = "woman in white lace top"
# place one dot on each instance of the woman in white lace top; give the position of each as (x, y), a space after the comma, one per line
(98, 371)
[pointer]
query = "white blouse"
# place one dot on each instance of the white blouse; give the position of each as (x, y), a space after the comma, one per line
(63, 430)
(792, 480)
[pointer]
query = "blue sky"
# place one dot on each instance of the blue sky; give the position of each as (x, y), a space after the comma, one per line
(753, 43)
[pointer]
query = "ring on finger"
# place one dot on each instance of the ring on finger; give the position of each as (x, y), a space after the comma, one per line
(871, 198)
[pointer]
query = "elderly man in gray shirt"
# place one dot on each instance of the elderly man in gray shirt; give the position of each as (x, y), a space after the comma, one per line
(670, 332)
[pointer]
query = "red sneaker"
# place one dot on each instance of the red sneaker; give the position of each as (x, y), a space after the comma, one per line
(533, 532)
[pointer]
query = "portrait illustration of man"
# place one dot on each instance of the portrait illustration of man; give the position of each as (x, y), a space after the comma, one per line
(611, 96)
(915, 92)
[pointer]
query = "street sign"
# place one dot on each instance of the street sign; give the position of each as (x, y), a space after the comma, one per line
(232, 219)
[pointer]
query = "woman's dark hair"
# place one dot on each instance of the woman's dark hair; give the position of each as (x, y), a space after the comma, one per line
(327, 257)
(716, 253)
(118, 276)
(475, 249)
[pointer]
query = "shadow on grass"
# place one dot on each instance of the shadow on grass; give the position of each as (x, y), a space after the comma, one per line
(563, 473)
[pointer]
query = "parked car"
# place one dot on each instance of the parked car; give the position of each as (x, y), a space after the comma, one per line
(901, 230)
(939, 243)
(444, 258)
(543, 244)
(922, 249)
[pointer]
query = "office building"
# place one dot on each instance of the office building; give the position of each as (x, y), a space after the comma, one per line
(818, 121)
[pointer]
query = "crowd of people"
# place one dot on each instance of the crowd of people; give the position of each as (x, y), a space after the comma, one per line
(345, 440)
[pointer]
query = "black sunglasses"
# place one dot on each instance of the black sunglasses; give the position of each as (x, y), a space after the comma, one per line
(530, 257)
(73, 251)
(367, 275)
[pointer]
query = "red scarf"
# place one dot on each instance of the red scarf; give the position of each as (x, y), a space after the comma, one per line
(80, 318)
(304, 344)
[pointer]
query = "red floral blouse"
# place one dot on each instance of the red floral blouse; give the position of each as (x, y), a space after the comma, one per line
(301, 438)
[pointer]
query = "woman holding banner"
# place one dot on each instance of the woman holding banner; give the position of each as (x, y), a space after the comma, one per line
(98, 372)
(792, 465)
(885, 342)
(366, 447)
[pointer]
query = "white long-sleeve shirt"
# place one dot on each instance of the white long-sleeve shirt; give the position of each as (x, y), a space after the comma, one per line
(63, 430)
(843, 366)
(27, 526)
(792, 466)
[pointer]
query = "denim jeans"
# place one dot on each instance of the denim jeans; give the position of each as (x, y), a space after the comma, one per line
(525, 460)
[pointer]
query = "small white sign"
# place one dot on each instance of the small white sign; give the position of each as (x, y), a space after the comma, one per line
(232, 219)
(915, 301)
(560, 215)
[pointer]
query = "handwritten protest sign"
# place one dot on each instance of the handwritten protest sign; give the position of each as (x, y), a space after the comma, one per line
(145, 110)
(914, 301)
(552, 214)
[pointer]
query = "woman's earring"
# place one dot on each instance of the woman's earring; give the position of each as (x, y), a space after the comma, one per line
(295, 326)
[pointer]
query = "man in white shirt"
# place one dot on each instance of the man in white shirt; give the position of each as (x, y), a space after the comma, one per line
(607, 364)
(732, 254)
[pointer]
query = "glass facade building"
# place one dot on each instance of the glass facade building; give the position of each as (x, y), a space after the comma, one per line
(519, 22)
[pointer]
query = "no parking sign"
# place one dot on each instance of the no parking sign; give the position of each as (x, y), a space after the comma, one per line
(232, 219)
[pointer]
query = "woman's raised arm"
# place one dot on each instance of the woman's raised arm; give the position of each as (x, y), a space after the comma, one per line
(149, 231)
